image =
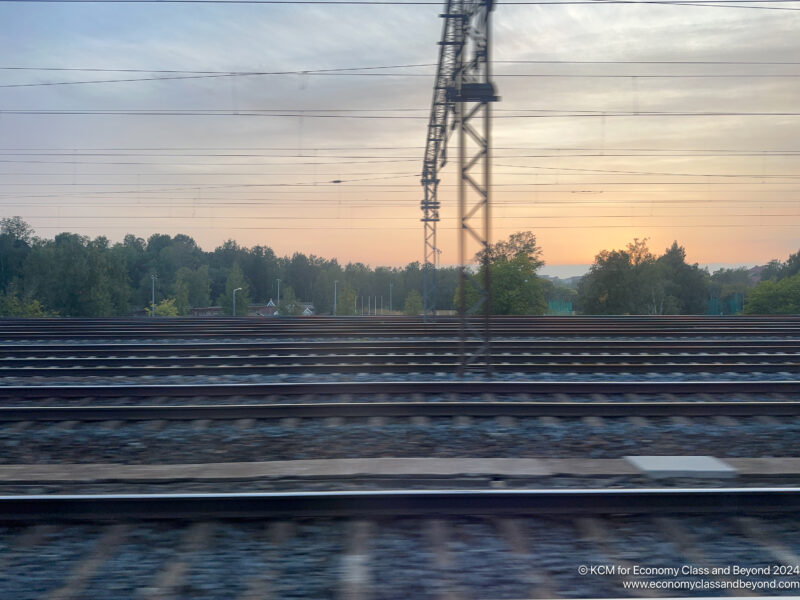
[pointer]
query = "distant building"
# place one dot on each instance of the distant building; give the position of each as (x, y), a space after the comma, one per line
(253, 310)
(207, 311)
(267, 310)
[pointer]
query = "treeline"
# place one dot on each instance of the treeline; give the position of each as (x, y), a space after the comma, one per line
(779, 289)
(635, 281)
(73, 275)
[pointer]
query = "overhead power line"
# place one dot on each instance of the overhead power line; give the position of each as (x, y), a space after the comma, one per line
(551, 171)
(756, 4)
(318, 114)
(637, 227)
(284, 217)
(400, 66)
(559, 150)
(355, 73)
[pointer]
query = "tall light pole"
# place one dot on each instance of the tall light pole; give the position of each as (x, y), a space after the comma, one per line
(335, 283)
(391, 285)
(279, 292)
(234, 300)
(153, 278)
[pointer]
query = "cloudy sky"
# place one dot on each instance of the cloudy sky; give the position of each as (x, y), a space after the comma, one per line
(588, 155)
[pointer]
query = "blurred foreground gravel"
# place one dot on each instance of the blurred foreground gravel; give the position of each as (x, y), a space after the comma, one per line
(162, 442)
(392, 559)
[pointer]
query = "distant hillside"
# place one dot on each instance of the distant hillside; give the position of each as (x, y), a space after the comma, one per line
(570, 282)
(754, 273)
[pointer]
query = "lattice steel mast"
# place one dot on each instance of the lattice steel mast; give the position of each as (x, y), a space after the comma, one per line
(436, 153)
(462, 97)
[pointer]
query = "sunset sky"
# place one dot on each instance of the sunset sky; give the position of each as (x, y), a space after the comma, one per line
(586, 155)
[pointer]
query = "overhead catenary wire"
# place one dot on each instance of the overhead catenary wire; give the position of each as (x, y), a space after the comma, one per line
(309, 152)
(318, 114)
(226, 203)
(324, 189)
(376, 218)
(637, 227)
(739, 4)
(425, 75)
(560, 171)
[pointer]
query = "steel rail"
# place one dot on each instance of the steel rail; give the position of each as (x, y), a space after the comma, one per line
(396, 503)
(318, 360)
(475, 387)
(395, 320)
(364, 366)
(389, 326)
(344, 347)
(220, 412)
(390, 330)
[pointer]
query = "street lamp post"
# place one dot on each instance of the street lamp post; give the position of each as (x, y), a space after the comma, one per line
(234, 300)
(279, 292)
(335, 283)
(153, 278)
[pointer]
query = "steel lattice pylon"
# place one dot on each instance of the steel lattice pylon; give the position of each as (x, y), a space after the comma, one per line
(462, 97)
(436, 155)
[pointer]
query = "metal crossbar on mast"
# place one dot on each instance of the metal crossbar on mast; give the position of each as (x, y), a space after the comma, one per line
(462, 96)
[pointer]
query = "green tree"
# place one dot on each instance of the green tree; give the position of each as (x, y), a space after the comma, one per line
(17, 229)
(346, 303)
(192, 288)
(635, 281)
(12, 306)
(76, 276)
(521, 243)
(515, 289)
(413, 303)
(15, 245)
(289, 306)
(181, 296)
(685, 286)
(236, 280)
(778, 270)
(165, 308)
(775, 297)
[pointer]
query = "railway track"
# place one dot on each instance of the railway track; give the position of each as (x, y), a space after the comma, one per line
(403, 544)
(300, 348)
(397, 363)
(227, 412)
(398, 503)
(477, 387)
(395, 327)
(504, 543)
(239, 448)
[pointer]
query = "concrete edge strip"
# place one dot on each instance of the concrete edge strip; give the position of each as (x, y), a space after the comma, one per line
(388, 467)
